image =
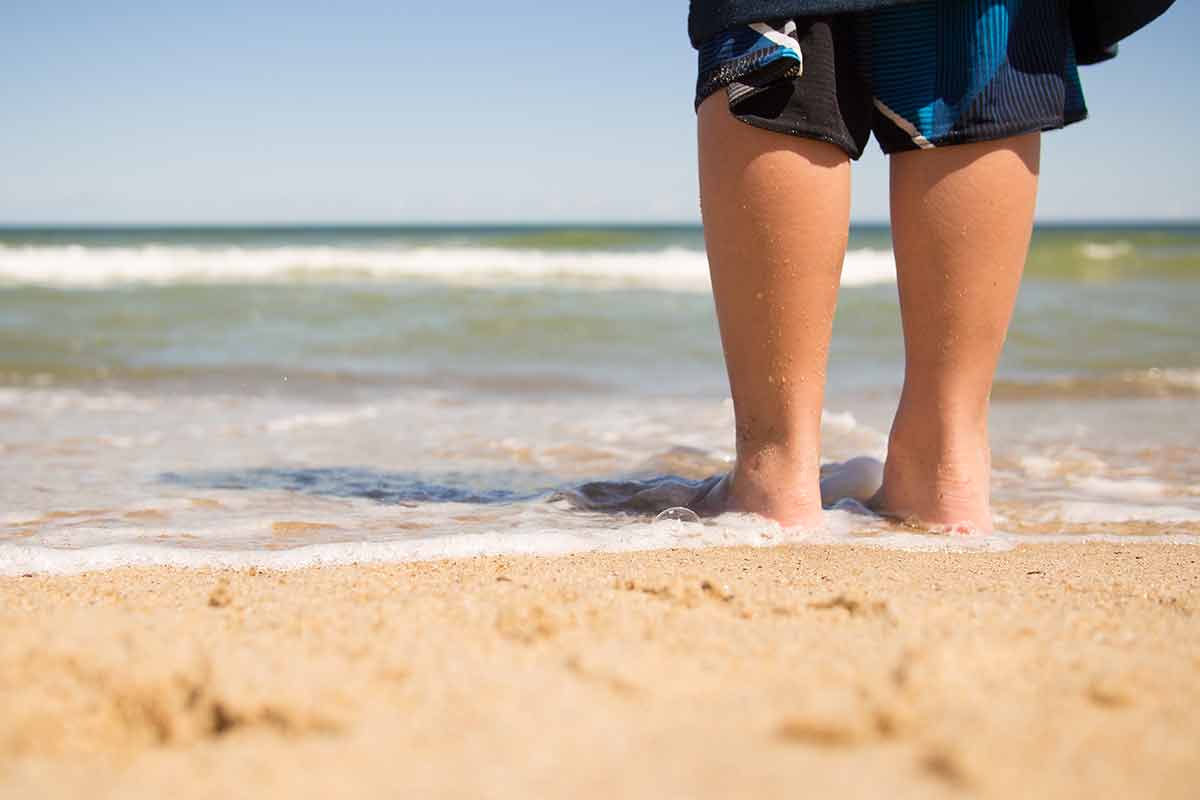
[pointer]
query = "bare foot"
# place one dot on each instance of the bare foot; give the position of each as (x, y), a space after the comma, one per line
(936, 485)
(778, 499)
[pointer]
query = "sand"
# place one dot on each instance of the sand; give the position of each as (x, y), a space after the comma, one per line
(1048, 671)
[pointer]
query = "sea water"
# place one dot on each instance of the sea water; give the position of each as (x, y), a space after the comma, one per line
(289, 396)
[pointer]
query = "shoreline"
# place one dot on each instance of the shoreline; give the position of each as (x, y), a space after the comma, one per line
(47, 561)
(1046, 670)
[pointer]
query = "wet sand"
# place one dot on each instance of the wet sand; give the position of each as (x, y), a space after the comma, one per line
(1048, 671)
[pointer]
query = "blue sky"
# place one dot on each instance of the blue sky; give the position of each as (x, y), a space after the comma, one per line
(516, 111)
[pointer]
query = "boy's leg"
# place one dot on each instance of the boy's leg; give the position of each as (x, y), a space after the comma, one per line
(962, 217)
(776, 215)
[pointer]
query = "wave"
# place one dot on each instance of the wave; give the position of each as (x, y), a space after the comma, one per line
(672, 269)
(1153, 382)
(844, 527)
(1105, 251)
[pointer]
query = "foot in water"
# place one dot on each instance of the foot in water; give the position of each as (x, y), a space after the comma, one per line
(939, 489)
(940, 503)
(777, 497)
(857, 479)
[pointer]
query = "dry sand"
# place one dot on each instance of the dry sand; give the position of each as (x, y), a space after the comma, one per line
(1049, 671)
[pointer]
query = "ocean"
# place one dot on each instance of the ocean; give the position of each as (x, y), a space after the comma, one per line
(284, 396)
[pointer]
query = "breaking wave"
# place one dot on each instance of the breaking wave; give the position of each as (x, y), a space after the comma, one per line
(672, 268)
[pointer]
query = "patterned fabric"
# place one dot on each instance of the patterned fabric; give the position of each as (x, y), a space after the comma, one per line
(1096, 25)
(706, 18)
(948, 71)
(929, 73)
(761, 51)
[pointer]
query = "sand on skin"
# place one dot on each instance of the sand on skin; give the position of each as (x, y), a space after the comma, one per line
(1063, 671)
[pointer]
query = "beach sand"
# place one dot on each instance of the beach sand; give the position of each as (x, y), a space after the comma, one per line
(1047, 671)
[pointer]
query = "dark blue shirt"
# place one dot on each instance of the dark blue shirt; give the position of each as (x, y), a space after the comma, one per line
(1096, 25)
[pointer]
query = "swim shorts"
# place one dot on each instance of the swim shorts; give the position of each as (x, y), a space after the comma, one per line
(920, 75)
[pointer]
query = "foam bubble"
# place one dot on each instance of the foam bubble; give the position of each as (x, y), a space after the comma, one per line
(678, 514)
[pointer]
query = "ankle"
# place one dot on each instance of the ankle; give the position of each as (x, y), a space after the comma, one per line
(938, 471)
(945, 433)
(775, 470)
(781, 486)
(940, 457)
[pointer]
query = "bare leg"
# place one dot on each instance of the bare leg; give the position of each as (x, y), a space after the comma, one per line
(776, 213)
(961, 222)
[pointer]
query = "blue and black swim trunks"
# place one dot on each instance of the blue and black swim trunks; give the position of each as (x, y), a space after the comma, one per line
(920, 75)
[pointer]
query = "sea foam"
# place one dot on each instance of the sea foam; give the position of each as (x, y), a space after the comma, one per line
(672, 268)
(843, 527)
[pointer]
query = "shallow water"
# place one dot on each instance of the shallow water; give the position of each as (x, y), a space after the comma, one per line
(287, 397)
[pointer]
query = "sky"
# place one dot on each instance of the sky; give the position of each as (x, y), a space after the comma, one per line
(524, 111)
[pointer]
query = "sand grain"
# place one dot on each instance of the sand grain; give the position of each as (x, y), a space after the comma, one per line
(1050, 671)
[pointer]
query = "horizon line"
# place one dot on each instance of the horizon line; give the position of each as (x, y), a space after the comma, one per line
(531, 223)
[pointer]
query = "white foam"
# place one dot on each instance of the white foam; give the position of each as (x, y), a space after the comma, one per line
(1105, 251)
(16, 559)
(1093, 511)
(676, 268)
(49, 401)
(249, 458)
(325, 419)
(1174, 377)
(1127, 489)
(1039, 466)
(847, 524)
(1068, 459)
(838, 421)
(19, 559)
